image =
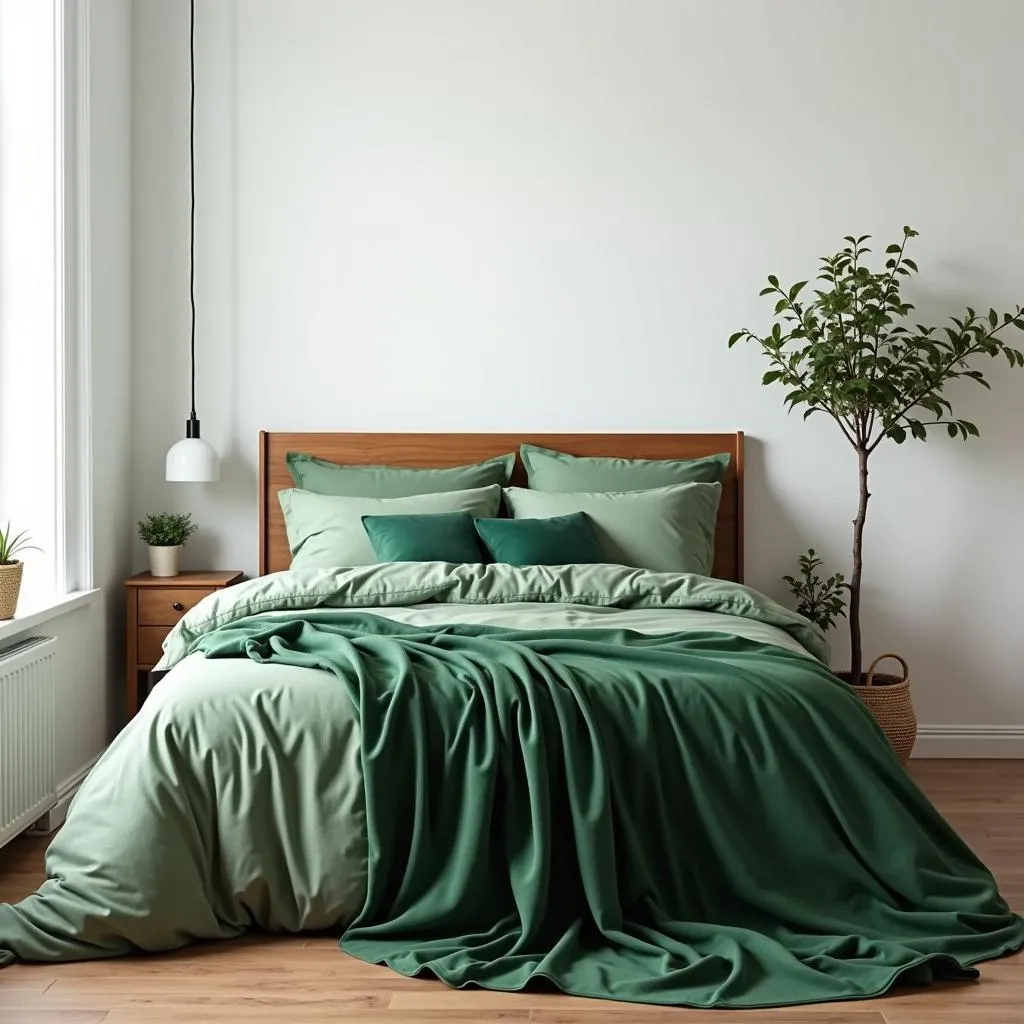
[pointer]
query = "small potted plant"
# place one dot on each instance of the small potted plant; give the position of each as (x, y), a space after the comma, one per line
(165, 533)
(11, 568)
(820, 600)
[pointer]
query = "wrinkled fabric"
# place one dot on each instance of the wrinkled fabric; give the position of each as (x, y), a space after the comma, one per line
(691, 819)
(233, 800)
(402, 584)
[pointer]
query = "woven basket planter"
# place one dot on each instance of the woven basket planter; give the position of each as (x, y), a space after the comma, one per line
(10, 587)
(888, 699)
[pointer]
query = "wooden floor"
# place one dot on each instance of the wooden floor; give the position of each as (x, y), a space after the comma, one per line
(292, 981)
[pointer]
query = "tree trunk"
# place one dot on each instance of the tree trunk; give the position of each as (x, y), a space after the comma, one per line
(856, 657)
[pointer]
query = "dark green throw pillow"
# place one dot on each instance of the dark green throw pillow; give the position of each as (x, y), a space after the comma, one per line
(430, 537)
(558, 540)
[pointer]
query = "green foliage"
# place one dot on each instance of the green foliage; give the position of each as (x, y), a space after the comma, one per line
(12, 544)
(821, 600)
(167, 529)
(853, 352)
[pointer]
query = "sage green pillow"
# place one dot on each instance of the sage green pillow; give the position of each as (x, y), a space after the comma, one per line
(323, 477)
(548, 470)
(431, 537)
(667, 529)
(326, 530)
(557, 540)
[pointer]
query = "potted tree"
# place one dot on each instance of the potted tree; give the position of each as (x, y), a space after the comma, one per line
(11, 568)
(166, 533)
(852, 353)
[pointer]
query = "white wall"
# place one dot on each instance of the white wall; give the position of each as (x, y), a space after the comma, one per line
(551, 215)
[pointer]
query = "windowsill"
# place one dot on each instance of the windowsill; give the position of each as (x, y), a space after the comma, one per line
(39, 613)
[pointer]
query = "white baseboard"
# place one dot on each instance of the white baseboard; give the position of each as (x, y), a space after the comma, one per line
(54, 817)
(970, 741)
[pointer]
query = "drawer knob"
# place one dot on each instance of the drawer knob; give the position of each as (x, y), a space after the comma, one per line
(178, 606)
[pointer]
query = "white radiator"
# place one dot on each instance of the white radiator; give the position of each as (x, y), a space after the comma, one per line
(27, 725)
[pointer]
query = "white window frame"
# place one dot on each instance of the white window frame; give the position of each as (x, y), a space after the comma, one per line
(74, 314)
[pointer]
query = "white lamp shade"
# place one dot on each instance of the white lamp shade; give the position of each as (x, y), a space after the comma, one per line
(192, 460)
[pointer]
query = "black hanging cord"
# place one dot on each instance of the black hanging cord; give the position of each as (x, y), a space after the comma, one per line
(192, 186)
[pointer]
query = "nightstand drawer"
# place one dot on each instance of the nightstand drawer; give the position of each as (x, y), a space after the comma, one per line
(159, 606)
(151, 641)
(153, 605)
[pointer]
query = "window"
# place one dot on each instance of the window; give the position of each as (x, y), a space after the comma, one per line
(32, 289)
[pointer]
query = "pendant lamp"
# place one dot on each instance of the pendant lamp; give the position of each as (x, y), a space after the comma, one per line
(192, 459)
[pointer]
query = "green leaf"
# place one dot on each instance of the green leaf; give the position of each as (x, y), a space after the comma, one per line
(898, 434)
(795, 290)
(993, 317)
(951, 429)
(781, 305)
(773, 280)
(893, 248)
(736, 337)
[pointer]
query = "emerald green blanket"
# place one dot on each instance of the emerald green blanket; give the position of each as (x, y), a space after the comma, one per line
(695, 817)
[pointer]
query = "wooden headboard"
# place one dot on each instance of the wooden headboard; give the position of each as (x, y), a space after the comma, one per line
(436, 450)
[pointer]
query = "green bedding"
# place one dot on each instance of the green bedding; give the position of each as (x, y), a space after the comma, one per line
(694, 817)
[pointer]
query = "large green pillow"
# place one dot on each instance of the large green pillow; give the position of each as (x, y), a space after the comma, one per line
(326, 530)
(323, 477)
(548, 470)
(557, 540)
(667, 529)
(432, 537)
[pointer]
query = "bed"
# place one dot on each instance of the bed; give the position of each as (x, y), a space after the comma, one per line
(628, 782)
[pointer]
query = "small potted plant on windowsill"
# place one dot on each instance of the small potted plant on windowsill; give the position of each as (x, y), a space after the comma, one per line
(165, 533)
(11, 569)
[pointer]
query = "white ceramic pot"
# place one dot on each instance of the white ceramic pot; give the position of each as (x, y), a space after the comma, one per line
(164, 561)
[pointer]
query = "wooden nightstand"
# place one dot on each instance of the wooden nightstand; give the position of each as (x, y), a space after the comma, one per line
(154, 605)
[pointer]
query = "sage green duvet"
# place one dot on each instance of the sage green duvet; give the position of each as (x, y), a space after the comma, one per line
(637, 786)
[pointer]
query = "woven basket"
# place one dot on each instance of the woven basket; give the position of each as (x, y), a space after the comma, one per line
(888, 699)
(10, 586)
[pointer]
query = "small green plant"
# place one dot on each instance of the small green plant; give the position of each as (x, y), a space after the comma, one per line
(167, 529)
(821, 600)
(12, 544)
